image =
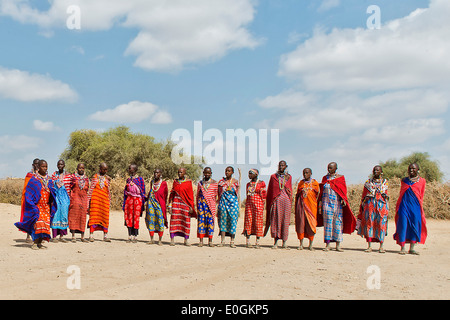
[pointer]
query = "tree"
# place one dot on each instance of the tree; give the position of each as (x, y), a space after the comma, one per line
(429, 169)
(119, 148)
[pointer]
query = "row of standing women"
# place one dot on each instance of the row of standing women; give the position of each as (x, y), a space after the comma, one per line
(53, 204)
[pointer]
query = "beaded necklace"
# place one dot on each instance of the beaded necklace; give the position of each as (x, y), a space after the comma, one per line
(252, 188)
(132, 178)
(228, 184)
(81, 180)
(44, 180)
(60, 178)
(308, 187)
(206, 184)
(282, 179)
(181, 181)
(101, 181)
(158, 185)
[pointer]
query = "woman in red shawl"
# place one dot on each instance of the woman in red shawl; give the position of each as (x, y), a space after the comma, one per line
(374, 210)
(79, 202)
(279, 205)
(181, 207)
(410, 218)
(254, 208)
(335, 214)
(156, 217)
(207, 193)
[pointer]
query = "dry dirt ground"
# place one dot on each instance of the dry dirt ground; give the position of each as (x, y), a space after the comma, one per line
(120, 270)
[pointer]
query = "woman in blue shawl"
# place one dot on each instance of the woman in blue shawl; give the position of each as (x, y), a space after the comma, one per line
(61, 182)
(228, 209)
(39, 207)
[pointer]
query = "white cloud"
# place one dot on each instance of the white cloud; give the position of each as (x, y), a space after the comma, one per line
(290, 100)
(171, 34)
(10, 144)
(367, 82)
(444, 165)
(328, 4)
(446, 145)
(133, 112)
(48, 126)
(161, 117)
(24, 86)
(78, 49)
(343, 113)
(405, 53)
(407, 132)
(295, 37)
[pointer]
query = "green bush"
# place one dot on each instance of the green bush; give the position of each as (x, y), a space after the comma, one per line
(429, 169)
(119, 148)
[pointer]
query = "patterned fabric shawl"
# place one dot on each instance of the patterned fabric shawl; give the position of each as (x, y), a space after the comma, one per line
(139, 182)
(31, 198)
(339, 186)
(186, 192)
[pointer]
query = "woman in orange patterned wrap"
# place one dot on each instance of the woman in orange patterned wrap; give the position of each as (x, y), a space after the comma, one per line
(306, 208)
(99, 203)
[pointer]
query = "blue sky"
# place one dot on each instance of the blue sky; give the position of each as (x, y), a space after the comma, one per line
(336, 90)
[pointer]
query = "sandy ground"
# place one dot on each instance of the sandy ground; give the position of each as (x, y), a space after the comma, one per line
(120, 270)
